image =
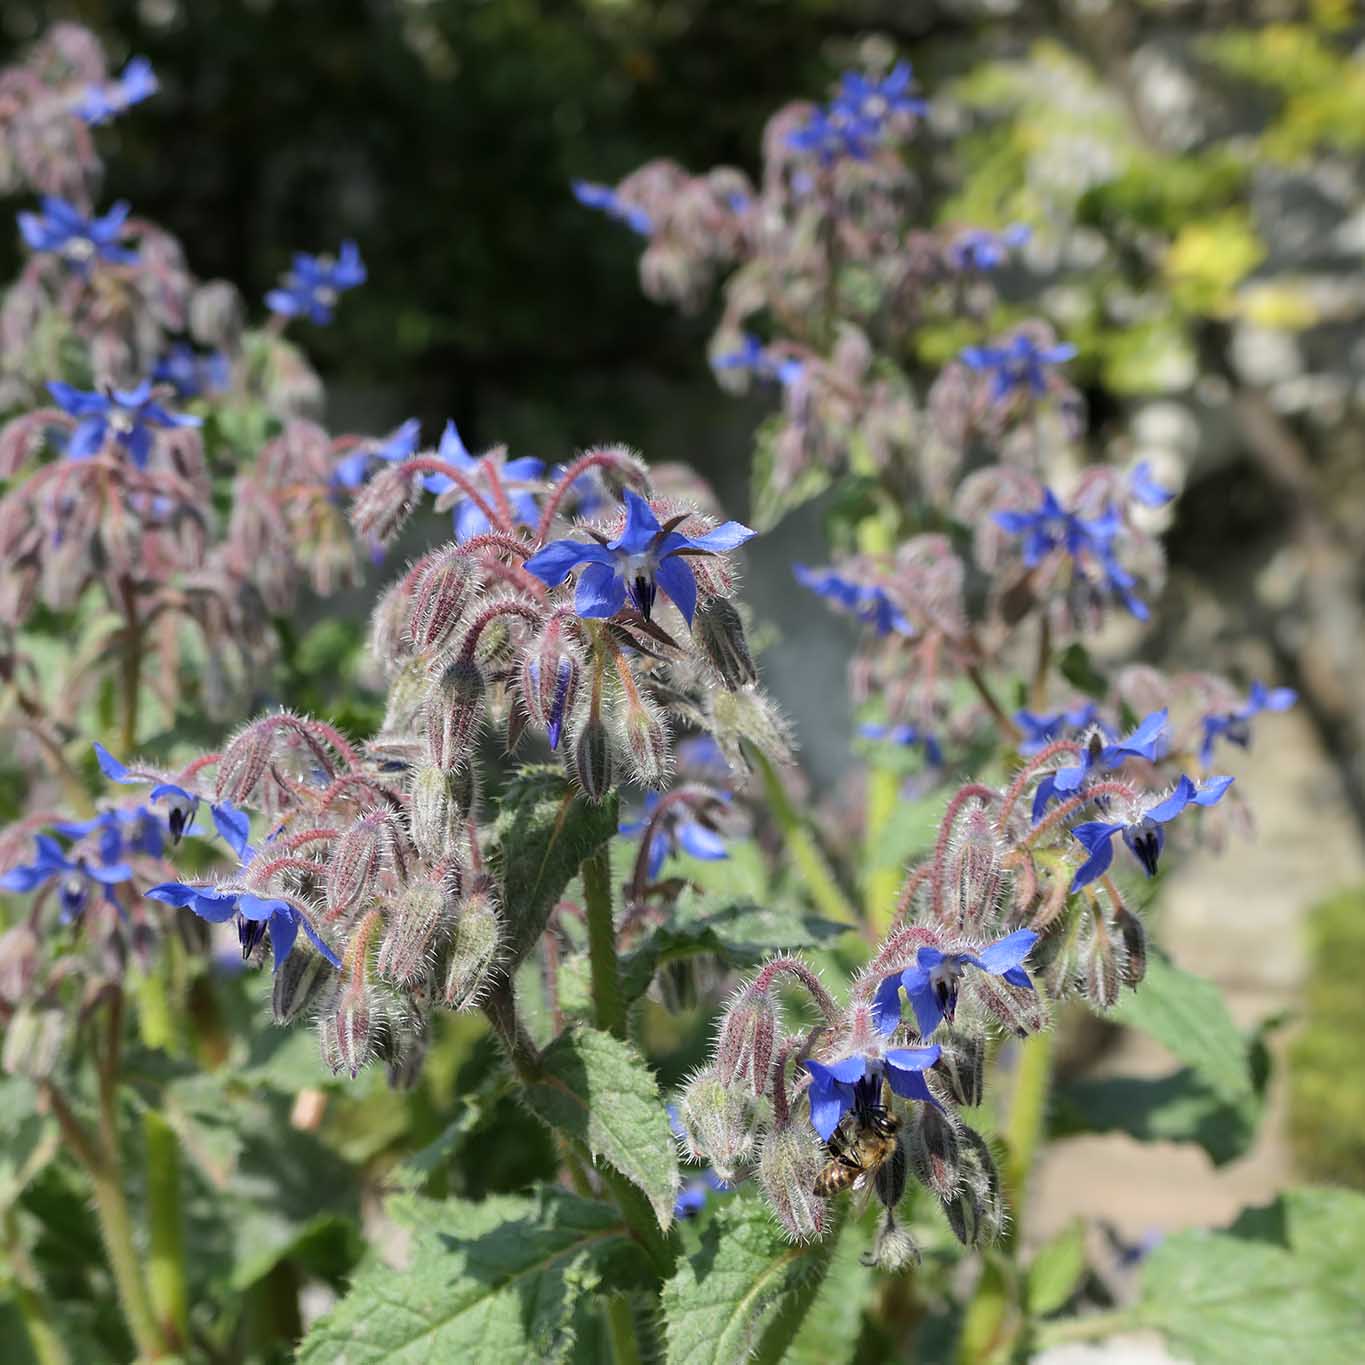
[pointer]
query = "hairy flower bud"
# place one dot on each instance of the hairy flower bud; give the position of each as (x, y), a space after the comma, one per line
(454, 710)
(718, 629)
(1100, 979)
(744, 1044)
(349, 1028)
(1019, 1009)
(18, 962)
(642, 738)
(962, 1066)
(419, 921)
(471, 960)
(934, 1150)
(383, 506)
(974, 880)
(747, 714)
(550, 673)
(592, 761)
(440, 597)
(33, 1042)
(719, 1122)
(244, 762)
(976, 1213)
(788, 1165)
(358, 859)
(299, 981)
(438, 806)
(894, 1249)
(1134, 937)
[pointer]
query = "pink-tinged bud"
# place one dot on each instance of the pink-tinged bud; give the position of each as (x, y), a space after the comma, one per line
(454, 712)
(976, 1212)
(472, 958)
(1133, 936)
(382, 507)
(33, 1043)
(962, 1066)
(788, 1164)
(642, 739)
(417, 926)
(18, 962)
(719, 630)
(358, 860)
(720, 1123)
(592, 760)
(438, 806)
(744, 1044)
(388, 639)
(299, 982)
(349, 1029)
(1019, 1009)
(550, 673)
(973, 875)
(440, 597)
(244, 763)
(934, 1150)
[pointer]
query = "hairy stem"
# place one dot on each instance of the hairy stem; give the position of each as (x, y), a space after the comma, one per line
(625, 1350)
(131, 664)
(166, 1226)
(1024, 1128)
(609, 1010)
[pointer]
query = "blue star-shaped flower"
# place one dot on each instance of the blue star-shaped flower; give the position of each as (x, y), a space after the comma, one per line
(312, 287)
(79, 877)
(63, 230)
(1040, 728)
(981, 249)
(135, 831)
(234, 825)
(400, 444)
(256, 915)
(101, 103)
(932, 982)
(645, 559)
(873, 102)
(754, 357)
(1143, 487)
(907, 735)
(1235, 726)
(191, 374)
(605, 200)
(1147, 741)
(678, 831)
(1018, 367)
(835, 1087)
(469, 517)
(129, 416)
(869, 604)
(1144, 834)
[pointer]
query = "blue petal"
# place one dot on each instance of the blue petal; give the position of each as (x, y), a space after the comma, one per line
(701, 842)
(658, 851)
(1009, 952)
(641, 526)
(554, 562)
(600, 592)
(283, 928)
(928, 1016)
(87, 438)
(471, 521)
(319, 942)
(1210, 792)
(111, 767)
(910, 1085)
(729, 536)
(675, 577)
(1168, 809)
(234, 825)
(846, 1070)
(886, 1005)
(1101, 853)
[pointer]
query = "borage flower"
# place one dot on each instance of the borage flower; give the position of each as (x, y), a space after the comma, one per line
(1018, 367)
(1143, 832)
(932, 982)
(191, 374)
(63, 230)
(982, 250)
(134, 831)
(606, 200)
(907, 736)
(1040, 728)
(868, 603)
(761, 362)
(645, 559)
(1147, 741)
(1235, 726)
(100, 103)
(312, 287)
(79, 877)
(129, 416)
(356, 466)
(255, 915)
(678, 831)
(835, 1087)
(875, 101)
(512, 476)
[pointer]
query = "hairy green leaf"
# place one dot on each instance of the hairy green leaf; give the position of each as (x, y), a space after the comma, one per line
(1056, 1270)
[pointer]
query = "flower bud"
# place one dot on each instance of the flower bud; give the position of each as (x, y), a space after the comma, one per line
(788, 1165)
(1099, 967)
(718, 629)
(419, 922)
(18, 962)
(592, 762)
(1134, 937)
(642, 737)
(894, 1249)
(976, 1213)
(744, 1044)
(454, 711)
(472, 957)
(1019, 1009)
(349, 1029)
(934, 1150)
(33, 1042)
(358, 859)
(974, 875)
(438, 806)
(747, 714)
(889, 1181)
(299, 981)
(244, 762)
(550, 673)
(383, 506)
(962, 1066)
(719, 1122)
(216, 314)
(440, 596)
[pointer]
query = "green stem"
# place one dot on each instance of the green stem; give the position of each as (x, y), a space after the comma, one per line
(166, 1224)
(1024, 1128)
(33, 1305)
(609, 1009)
(810, 862)
(625, 1350)
(883, 878)
(132, 666)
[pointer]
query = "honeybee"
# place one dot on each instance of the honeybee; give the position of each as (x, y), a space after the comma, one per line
(865, 1140)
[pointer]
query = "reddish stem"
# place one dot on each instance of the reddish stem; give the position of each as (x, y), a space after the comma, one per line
(1031, 767)
(429, 464)
(1068, 808)
(594, 459)
(793, 966)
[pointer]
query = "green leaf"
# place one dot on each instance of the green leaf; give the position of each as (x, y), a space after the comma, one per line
(1282, 1286)
(742, 1282)
(1056, 1270)
(542, 834)
(739, 933)
(1186, 1013)
(831, 1328)
(510, 1278)
(598, 1091)
(1075, 666)
(28, 1139)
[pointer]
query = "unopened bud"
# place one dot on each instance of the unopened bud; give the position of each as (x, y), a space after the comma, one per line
(889, 1182)
(719, 1122)
(550, 673)
(1100, 978)
(438, 806)
(1134, 937)
(18, 962)
(592, 762)
(962, 1066)
(33, 1043)
(1020, 1009)
(454, 711)
(934, 1150)
(383, 506)
(243, 763)
(419, 922)
(976, 1213)
(718, 629)
(975, 875)
(747, 714)
(473, 954)
(744, 1045)
(349, 1029)
(358, 859)
(788, 1165)
(299, 981)
(642, 736)
(439, 598)
(216, 314)
(894, 1249)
